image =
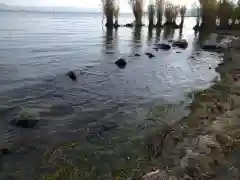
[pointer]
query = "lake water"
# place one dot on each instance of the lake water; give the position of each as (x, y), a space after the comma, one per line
(95, 128)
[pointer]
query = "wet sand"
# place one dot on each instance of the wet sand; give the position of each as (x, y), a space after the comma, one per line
(206, 144)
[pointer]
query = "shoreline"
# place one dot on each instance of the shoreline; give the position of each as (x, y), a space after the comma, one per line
(205, 144)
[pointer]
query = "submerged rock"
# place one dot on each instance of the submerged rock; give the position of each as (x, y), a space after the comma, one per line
(5, 151)
(121, 63)
(163, 46)
(137, 54)
(129, 25)
(26, 118)
(109, 126)
(150, 55)
(72, 75)
(183, 44)
(211, 47)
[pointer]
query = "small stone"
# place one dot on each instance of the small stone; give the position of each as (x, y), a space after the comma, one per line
(5, 151)
(183, 44)
(163, 46)
(26, 118)
(150, 55)
(209, 68)
(178, 52)
(121, 63)
(137, 54)
(72, 75)
(211, 47)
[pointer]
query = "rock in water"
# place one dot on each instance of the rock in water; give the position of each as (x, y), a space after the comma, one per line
(137, 54)
(211, 47)
(163, 46)
(121, 63)
(129, 25)
(26, 118)
(5, 151)
(150, 55)
(72, 75)
(183, 44)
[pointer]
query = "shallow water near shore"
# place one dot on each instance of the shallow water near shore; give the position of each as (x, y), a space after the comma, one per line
(95, 127)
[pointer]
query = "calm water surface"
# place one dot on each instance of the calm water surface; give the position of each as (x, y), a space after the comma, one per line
(95, 128)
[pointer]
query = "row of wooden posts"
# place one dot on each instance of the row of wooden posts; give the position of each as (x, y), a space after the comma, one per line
(208, 12)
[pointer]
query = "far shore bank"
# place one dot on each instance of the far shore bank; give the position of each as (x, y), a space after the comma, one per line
(206, 144)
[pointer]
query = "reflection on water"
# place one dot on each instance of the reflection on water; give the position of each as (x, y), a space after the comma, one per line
(180, 33)
(137, 39)
(109, 40)
(150, 34)
(158, 33)
(94, 128)
(168, 33)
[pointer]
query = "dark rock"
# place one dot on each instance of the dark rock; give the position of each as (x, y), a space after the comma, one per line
(183, 44)
(116, 25)
(72, 75)
(211, 47)
(163, 46)
(129, 25)
(5, 151)
(150, 55)
(26, 118)
(209, 68)
(25, 123)
(178, 52)
(108, 52)
(109, 126)
(121, 63)
(137, 54)
(197, 53)
(196, 28)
